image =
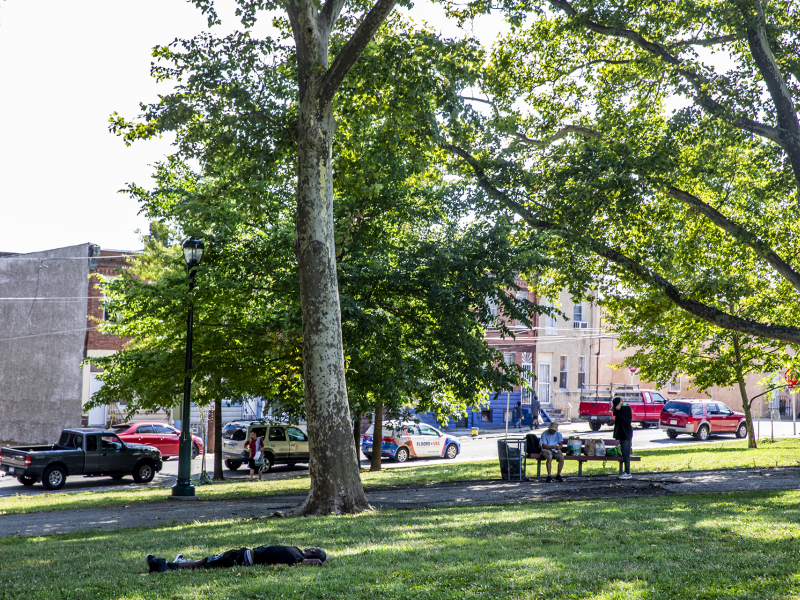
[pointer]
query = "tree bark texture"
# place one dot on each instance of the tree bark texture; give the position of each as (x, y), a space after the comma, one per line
(335, 481)
(377, 439)
(746, 402)
(218, 474)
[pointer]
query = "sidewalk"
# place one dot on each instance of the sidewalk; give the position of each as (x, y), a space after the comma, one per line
(405, 497)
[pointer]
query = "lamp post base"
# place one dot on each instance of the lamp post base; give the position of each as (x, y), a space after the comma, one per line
(183, 492)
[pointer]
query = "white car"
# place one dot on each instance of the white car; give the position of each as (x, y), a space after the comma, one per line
(283, 444)
(402, 441)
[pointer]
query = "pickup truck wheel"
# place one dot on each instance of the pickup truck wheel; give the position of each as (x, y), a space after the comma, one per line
(741, 431)
(195, 451)
(595, 426)
(672, 434)
(54, 478)
(233, 464)
(702, 433)
(645, 425)
(144, 471)
(27, 480)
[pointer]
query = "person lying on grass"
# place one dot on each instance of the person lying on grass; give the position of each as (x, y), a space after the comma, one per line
(244, 557)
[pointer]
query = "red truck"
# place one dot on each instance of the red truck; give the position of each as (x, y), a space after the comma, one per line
(595, 408)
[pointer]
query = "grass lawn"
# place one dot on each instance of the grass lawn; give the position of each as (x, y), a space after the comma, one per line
(784, 452)
(731, 546)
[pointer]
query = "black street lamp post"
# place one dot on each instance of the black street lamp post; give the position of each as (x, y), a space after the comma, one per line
(193, 253)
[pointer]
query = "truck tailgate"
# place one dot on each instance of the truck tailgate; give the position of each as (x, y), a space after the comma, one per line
(600, 407)
(14, 458)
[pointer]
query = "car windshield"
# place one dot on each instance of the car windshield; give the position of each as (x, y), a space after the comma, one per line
(120, 428)
(683, 408)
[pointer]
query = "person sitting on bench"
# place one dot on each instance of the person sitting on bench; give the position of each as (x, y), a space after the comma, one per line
(551, 448)
(244, 557)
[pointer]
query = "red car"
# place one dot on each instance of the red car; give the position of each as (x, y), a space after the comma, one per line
(158, 435)
(701, 418)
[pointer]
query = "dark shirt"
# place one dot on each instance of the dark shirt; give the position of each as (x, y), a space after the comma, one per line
(535, 408)
(623, 423)
(277, 555)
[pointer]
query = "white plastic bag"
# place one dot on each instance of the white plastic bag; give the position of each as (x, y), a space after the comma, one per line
(600, 448)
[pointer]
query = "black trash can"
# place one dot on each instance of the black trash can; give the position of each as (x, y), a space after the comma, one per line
(512, 459)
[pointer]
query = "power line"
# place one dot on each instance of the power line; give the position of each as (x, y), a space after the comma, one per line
(23, 337)
(96, 258)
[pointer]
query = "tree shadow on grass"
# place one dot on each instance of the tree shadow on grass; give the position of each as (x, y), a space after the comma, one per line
(725, 546)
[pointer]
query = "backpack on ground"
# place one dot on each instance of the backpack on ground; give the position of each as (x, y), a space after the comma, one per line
(532, 445)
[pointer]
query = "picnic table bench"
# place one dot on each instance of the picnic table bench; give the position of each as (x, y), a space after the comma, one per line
(583, 458)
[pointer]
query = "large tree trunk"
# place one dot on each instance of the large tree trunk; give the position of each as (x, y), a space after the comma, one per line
(218, 474)
(746, 402)
(377, 438)
(335, 481)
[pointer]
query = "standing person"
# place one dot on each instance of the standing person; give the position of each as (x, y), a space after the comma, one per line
(255, 445)
(551, 448)
(535, 408)
(623, 431)
(518, 415)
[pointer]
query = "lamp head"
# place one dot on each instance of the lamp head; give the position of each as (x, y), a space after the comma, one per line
(192, 252)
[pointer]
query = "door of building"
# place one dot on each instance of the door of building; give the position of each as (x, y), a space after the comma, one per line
(544, 383)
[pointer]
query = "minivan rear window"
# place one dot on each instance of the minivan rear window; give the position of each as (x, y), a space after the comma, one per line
(234, 432)
(683, 408)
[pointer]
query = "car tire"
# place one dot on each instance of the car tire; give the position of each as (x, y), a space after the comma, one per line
(741, 431)
(369, 456)
(401, 455)
(595, 426)
(269, 460)
(144, 471)
(54, 477)
(117, 477)
(645, 425)
(702, 433)
(233, 464)
(672, 434)
(27, 480)
(195, 450)
(451, 451)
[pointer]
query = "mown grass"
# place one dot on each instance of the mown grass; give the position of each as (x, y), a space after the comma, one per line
(684, 547)
(726, 455)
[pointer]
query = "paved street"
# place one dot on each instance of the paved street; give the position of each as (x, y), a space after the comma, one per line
(483, 448)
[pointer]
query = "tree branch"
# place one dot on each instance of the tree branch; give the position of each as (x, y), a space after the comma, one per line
(739, 233)
(646, 275)
(352, 50)
(698, 83)
(788, 127)
(712, 41)
(561, 133)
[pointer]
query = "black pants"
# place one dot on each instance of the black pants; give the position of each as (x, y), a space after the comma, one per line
(625, 448)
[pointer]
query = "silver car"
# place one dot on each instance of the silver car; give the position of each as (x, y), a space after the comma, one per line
(283, 444)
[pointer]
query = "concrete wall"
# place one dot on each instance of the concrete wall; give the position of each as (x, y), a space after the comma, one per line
(42, 343)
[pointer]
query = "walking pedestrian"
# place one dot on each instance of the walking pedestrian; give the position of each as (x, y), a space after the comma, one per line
(256, 447)
(623, 431)
(535, 408)
(518, 415)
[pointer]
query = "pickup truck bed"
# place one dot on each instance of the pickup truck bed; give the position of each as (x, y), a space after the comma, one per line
(595, 407)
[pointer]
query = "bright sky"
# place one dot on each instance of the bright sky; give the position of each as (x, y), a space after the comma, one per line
(66, 67)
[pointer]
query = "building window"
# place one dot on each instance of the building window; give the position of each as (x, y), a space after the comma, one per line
(527, 375)
(522, 295)
(492, 303)
(581, 372)
(577, 317)
(674, 386)
(549, 321)
(508, 358)
(508, 415)
(562, 372)
(486, 415)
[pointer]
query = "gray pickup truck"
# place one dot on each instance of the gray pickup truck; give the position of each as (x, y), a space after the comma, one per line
(87, 452)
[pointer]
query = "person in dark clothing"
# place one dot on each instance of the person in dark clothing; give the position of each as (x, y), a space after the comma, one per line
(518, 415)
(623, 431)
(535, 412)
(243, 557)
